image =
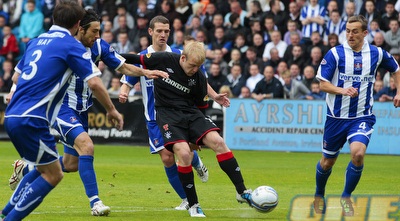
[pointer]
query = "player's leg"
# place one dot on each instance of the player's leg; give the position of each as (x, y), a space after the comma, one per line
(186, 176)
(228, 164)
(39, 147)
(85, 147)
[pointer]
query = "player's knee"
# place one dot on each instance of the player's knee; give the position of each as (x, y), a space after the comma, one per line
(70, 167)
(167, 158)
(327, 163)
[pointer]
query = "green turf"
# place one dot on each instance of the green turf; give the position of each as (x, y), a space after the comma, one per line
(133, 183)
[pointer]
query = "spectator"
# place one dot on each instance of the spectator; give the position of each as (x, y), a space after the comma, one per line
(316, 93)
(122, 26)
(108, 36)
(379, 41)
(225, 89)
(276, 42)
(378, 86)
(194, 27)
(295, 41)
(31, 24)
(107, 26)
(373, 29)
(295, 72)
(235, 80)
(267, 28)
(349, 10)
(235, 8)
(308, 76)
(197, 9)
(240, 44)
(269, 87)
(312, 19)
(335, 25)
(136, 90)
(10, 49)
(387, 93)
(218, 22)
(106, 74)
(115, 87)
(184, 9)
(254, 78)
(294, 14)
(235, 59)
(178, 40)
(255, 27)
(168, 10)
(279, 15)
(211, 11)
(47, 10)
(245, 92)
(395, 52)
(315, 58)
(219, 42)
(235, 28)
(316, 40)
(293, 88)
(122, 12)
(259, 44)
(218, 59)
(291, 27)
(254, 13)
(392, 37)
(369, 12)
(215, 78)
(297, 57)
(144, 42)
(282, 67)
(6, 74)
(275, 59)
(251, 58)
(141, 29)
(390, 14)
(177, 25)
(333, 40)
(123, 44)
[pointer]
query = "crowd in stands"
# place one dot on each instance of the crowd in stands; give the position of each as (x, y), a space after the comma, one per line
(258, 49)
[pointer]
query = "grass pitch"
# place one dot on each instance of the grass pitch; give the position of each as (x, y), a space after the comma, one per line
(133, 183)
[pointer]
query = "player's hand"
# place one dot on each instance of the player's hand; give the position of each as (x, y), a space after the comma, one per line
(115, 118)
(222, 99)
(154, 74)
(350, 91)
(123, 97)
(396, 100)
(9, 96)
(194, 147)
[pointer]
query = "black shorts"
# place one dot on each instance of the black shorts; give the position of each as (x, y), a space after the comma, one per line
(183, 126)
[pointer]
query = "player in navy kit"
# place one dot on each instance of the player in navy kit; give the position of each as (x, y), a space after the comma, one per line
(45, 70)
(177, 101)
(159, 31)
(72, 120)
(347, 73)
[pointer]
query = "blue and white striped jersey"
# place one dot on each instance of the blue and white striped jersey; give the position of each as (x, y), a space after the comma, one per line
(147, 86)
(345, 68)
(79, 95)
(45, 70)
(309, 11)
(332, 28)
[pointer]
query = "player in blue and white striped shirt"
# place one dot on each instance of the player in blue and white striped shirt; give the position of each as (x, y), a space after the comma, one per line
(43, 75)
(347, 73)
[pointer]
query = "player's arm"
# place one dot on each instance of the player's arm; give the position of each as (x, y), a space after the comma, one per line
(328, 87)
(124, 93)
(98, 89)
(221, 99)
(132, 70)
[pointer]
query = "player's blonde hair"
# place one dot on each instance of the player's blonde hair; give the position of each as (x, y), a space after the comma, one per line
(195, 50)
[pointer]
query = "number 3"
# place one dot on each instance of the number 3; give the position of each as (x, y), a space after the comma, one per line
(38, 54)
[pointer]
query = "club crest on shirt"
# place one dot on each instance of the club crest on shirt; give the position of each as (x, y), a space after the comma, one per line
(111, 49)
(148, 55)
(206, 98)
(357, 66)
(191, 82)
(165, 127)
(323, 62)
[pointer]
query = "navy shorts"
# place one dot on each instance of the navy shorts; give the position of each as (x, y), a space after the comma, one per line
(183, 126)
(32, 138)
(338, 131)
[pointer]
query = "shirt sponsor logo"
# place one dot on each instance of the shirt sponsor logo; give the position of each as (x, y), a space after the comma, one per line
(176, 85)
(356, 78)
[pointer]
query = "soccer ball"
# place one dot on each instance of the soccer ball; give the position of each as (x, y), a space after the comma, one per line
(264, 199)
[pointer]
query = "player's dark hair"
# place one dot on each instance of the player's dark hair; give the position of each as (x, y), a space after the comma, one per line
(361, 19)
(67, 13)
(90, 16)
(158, 19)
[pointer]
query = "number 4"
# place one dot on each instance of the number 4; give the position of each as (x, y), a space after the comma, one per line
(362, 126)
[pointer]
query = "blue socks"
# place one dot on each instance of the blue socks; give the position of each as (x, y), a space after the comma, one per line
(32, 195)
(195, 161)
(173, 178)
(88, 177)
(353, 175)
(321, 180)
